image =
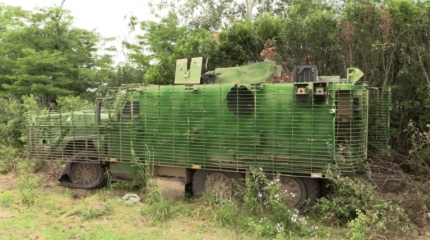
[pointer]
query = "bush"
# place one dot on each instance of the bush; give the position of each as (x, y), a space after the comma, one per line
(9, 159)
(354, 202)
(26, 187)
(13, 127)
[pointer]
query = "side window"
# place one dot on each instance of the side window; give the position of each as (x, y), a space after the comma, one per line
(131, 108)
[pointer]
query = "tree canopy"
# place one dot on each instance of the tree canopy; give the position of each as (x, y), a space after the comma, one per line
(43, 54)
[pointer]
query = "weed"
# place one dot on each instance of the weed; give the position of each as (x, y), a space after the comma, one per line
(50, 207)
(6, 199)
(94, 210)
(227, 213)
(202, 229)
(183, 211)
(127, 186)
(26, 188)
(89, 212)
(159, 211)
(156, 205)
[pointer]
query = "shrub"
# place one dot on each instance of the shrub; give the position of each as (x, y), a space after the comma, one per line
(9, 159)
(26, 188)
(355, 202)
(359, 227)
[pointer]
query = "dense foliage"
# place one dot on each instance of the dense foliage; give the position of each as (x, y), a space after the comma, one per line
(41, 53)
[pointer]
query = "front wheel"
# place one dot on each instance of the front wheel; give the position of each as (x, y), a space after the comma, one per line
(84, 172)
(87, 175)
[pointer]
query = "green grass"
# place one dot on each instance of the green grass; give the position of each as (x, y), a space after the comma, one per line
(54, 214)
(30, 210)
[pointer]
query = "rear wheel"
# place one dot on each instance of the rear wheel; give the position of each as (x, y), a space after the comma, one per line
(295, 191)
(300, 190)
(220, 183)
(313, 189)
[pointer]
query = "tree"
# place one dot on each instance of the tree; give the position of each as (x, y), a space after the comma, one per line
(46, 56)
(215, 15)
(163, 43)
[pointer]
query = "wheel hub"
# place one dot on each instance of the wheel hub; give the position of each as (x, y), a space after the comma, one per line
(84, 173)
(292, 191)
(220, 184)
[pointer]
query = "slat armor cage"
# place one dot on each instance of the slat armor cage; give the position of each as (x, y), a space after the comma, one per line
(294, 128)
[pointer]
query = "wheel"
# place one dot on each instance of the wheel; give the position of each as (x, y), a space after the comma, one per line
(313, 189)
(83, 174)
(87, 175)
(295, 191)
(221, 183)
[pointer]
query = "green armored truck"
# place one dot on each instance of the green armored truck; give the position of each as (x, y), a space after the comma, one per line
(213, 127)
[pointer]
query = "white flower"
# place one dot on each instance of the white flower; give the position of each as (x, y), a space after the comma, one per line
(294, 218)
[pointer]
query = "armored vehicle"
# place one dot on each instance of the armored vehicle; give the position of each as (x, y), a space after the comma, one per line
(213, 127)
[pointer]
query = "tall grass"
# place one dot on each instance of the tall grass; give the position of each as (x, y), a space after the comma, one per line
(157, 207)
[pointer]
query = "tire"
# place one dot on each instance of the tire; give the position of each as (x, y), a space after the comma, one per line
(313, 190)
(300, 187)
(84, 174)
(200, 179)
(96, 180)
